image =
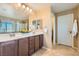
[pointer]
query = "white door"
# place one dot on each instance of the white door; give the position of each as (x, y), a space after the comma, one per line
(65, 23)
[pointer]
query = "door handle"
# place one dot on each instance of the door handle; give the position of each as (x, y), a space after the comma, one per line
(70, 32)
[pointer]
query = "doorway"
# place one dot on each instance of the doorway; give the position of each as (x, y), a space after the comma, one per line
(64, 29)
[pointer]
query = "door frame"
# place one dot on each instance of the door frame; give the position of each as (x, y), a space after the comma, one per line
(71, 11)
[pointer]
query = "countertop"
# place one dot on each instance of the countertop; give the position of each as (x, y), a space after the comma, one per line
(7, 37)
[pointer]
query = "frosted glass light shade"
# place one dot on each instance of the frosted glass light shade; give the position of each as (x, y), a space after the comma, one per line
(30, 10)
(19, 4)
(23, 6)
(27, 8)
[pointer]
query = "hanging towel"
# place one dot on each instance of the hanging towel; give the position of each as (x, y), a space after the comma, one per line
(74, 29)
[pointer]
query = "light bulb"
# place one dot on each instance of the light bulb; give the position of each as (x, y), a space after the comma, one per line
(30, 10)
(23, 6)
(19, 4)
(27, 8)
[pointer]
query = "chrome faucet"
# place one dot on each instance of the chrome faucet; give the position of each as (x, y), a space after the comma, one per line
(12, 34)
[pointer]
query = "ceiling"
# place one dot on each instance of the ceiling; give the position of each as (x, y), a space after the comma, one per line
(59, 7)
(12, 11)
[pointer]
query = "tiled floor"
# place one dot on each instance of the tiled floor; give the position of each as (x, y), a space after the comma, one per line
(59, 50)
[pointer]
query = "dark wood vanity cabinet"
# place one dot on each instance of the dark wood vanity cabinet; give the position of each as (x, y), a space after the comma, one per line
(31, 45)
(23, 47)
(36, 42)
(0, 49)
(8, 48)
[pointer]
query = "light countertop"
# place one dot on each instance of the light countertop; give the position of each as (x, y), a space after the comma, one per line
(7, 37)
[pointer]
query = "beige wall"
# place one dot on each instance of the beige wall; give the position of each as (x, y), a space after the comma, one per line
(44, 13)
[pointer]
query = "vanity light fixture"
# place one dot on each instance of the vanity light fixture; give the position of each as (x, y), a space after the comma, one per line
(25, 7)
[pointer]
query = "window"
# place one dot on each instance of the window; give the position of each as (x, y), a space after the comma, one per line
(6, 26)
(9, 27)
(17, 27)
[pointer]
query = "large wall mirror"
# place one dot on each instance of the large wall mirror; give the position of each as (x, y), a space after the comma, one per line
(8, 25)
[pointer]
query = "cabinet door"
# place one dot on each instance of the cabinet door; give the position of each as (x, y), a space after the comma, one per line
(78, 18)
(0, 49)
(31, 45)
(23, 47)
(36, 42)
(41, 41)
(9, 48)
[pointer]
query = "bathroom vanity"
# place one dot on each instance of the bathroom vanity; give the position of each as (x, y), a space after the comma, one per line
(21, 45)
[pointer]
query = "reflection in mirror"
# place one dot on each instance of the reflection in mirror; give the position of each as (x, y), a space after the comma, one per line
(2, 27)
(17, 26)
(8, 26)
(37, 24)
(24, 26)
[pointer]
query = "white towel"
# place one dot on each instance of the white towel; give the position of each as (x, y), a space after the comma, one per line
(74, 29)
